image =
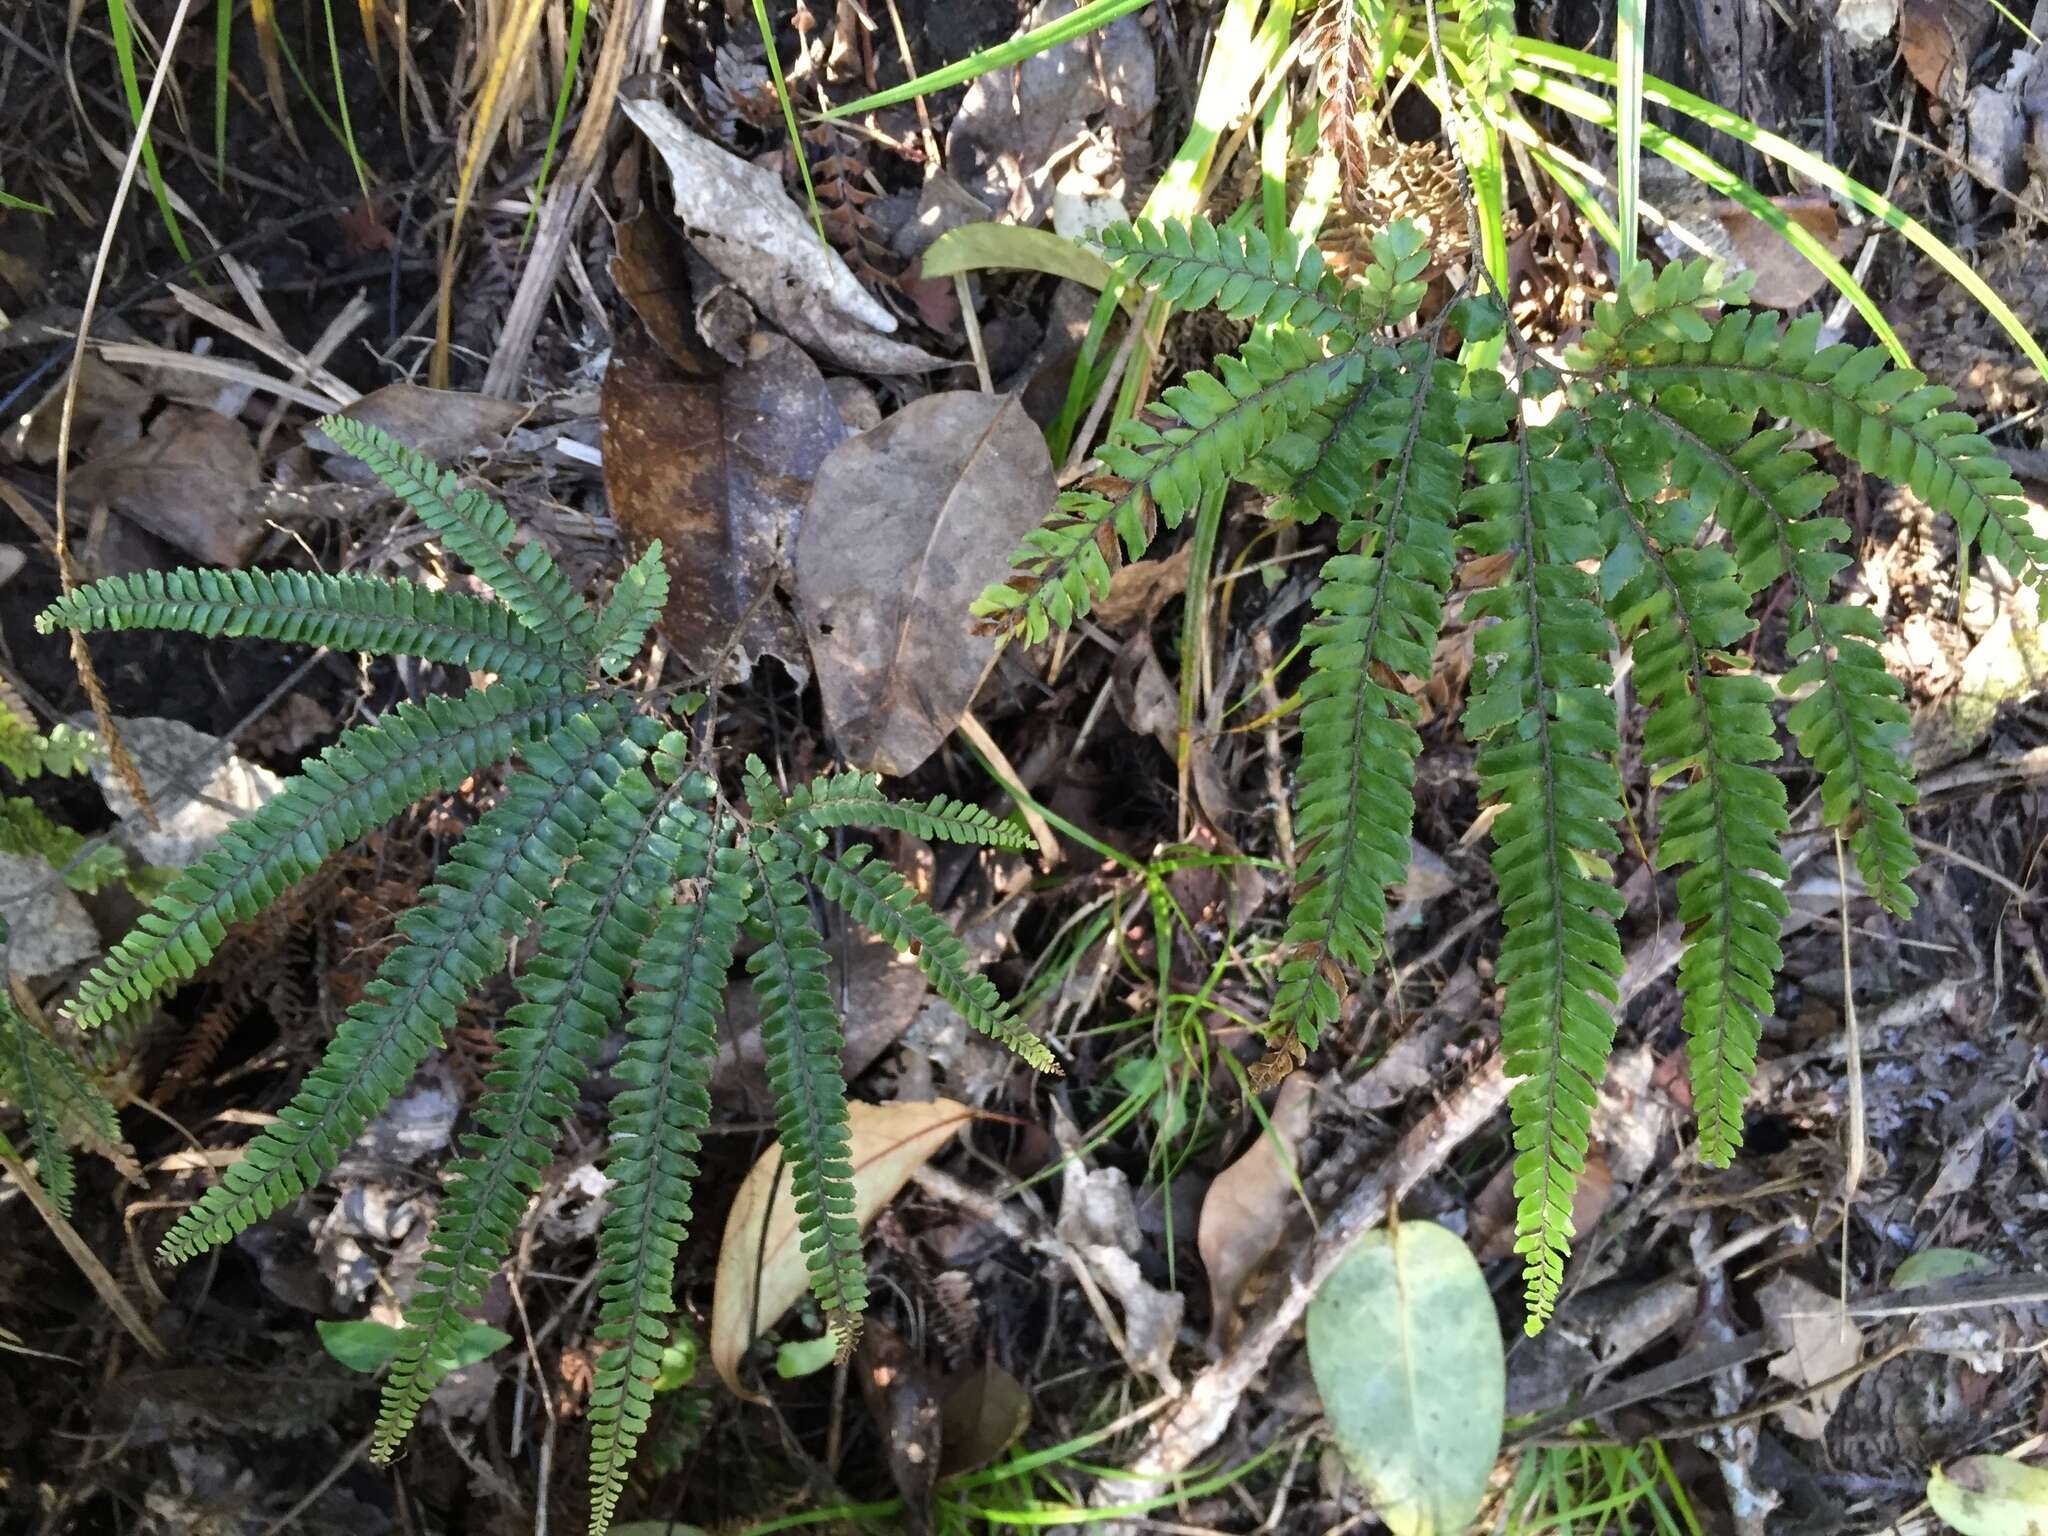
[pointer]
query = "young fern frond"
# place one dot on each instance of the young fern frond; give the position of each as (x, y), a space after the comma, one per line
(480, 533)
(571, 992)
(347, 613)
(1545, 722)
(802, 1041)
(492, 884)
(1378, 609)
(57, 1100)
(855, 799)
(881, 900)
(368, 776)
(671, 1047)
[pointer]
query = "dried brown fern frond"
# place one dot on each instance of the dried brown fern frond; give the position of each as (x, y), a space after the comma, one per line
(1334, 48)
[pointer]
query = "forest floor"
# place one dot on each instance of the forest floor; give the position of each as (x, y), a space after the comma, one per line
(1072, 1285)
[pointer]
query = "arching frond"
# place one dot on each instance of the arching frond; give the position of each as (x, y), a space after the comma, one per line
(1195, 265)
(671, 1047)
(492, 884)
(478, 532)
(882, 901)
(362, 781)
(636, 602)
(55, 1097)
(571, 993)
(802, 1040)
(1378, 611)
(348, 613)
(855, 799)
(1545, 721)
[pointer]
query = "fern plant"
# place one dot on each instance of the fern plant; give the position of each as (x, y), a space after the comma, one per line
(1650, 511)
(59, 1103)
(641, 876)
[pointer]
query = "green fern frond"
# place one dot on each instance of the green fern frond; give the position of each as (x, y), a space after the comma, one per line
(1545, 720)
(491, 886)
(56, 1099)
(671, 1046)
(363, 780)
(571, 992)
(85, 866)
(1194, 265)
(1651, 309)
(1889, 420)
(1212, 427)
(855, 799)
(348, 613)
(1710, 723)
(1853, 725)
(480, 533)
(881, 900)
(801, 1038)
(636, 602)
(1379, 608)
(28, 753)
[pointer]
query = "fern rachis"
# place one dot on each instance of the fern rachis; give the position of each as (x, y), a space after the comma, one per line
(638, 872)
(1663, 392)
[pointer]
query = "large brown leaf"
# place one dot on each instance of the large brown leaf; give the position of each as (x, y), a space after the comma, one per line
(716, 465)
(907, 523)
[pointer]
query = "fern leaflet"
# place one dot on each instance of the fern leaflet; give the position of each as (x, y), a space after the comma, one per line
(55, 1098)
(635, 604)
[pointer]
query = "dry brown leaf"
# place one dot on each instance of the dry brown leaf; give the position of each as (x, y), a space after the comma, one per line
(108, 414)
(191, 481)
(1932, 36)
(716, 466)
(1249, 1204)
(442, 424)
(906, 525)
(1139, 590)
(1817, 1342)
(761, 1269)
(744, 224)
(651, 274)
(1782, 277)
(984, 1415)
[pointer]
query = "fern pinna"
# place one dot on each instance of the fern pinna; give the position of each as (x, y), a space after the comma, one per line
(1649, 510)
(639, 875)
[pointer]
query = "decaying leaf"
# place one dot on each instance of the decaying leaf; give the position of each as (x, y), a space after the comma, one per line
(745, 225)
(1248, 1204)
(1816, 1341)
(760, 1260)
(1990, 1496)
(1404, 1344)
(985, 1414)
(716, 465)
(906, 524)
(193, 481)
(1937, 38)
(1930, 1265)
(447, 425)
(1782, 277)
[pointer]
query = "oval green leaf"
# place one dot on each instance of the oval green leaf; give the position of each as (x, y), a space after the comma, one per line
(1932, 1264)
(973, 247)
(1405, 1347)
(1990, 1496)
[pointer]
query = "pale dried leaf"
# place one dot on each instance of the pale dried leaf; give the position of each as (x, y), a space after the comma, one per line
(445, 425)
(192, 481)
(1783, 279)
(1816, 1341)
(761, 1270)
(906, 524)
(744, 224)
(1250, 1203)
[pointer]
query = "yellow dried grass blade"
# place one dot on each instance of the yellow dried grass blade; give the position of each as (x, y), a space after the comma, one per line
(263, 13)
(487, 121)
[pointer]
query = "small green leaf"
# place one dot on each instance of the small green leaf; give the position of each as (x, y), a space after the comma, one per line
(801, 1357)
(972, 247)
(678, 1361)
(368, 1347)
(1932, 1264)
(1404, 1344)
(1990, 1496)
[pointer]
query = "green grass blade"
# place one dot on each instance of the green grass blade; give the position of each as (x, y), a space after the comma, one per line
(1628, 60)
(22, 204)
(796, 139)
(1574, 62)
(1710, 172)
(348, 129)
(1076, 23)
(122, 30)
(223, 37)
(579, 18)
